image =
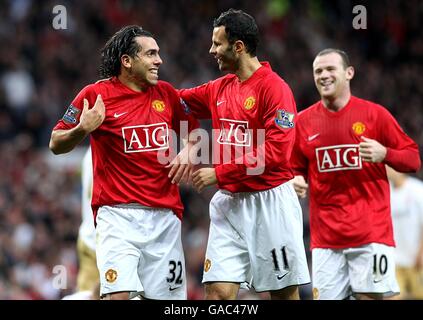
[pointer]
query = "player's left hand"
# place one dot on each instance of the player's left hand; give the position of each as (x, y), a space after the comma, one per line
(204, 177)
(371, 150)
(181, 168)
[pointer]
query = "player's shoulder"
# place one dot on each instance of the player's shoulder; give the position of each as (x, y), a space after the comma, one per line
(164, 85)
(272, 74)
(104, 81)
(99, 87)
(89, 92)
(271, 83)
(369, 105)
(224, 80)
(271, 77)
(309, 111)
(89, 88)
(165, 89)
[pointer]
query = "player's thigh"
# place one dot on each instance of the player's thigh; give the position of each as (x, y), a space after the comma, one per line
(162, 265)
(227, 258)
(117, 255)
(275, 240)
(372, 270)
(330, 275)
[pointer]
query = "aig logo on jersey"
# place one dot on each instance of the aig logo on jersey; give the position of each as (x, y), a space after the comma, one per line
(234, 132)
(336, 158)
(146, 137)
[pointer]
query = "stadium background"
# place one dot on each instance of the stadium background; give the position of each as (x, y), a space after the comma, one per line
(42, 69)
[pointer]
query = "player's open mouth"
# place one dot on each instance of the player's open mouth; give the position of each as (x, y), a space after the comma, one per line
(326, 84)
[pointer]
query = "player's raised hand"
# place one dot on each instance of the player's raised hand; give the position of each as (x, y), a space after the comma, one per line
(92, 118)
(371, 150)
(204, 177)
(300, 186)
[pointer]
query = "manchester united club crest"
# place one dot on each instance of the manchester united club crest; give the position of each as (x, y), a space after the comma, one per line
(284, 119)
(249, 103)
(158, 105)
(111, 275)
(358, 128)
(207, 265)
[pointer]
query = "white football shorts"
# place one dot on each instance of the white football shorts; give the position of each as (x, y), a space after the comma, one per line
(256, 238)
(139, 250)
(340, 273)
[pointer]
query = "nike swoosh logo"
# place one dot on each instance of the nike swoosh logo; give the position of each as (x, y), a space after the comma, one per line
(117, 115)
(377, 281)
(219, 103)
(313, 136)
(280, 277)
(173, 288)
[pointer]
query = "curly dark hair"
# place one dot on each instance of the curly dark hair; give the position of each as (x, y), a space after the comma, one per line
(122, 42)
(240, 26)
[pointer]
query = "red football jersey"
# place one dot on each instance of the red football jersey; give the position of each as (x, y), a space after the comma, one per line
(253, 125)
(349, 198)
(126, 146)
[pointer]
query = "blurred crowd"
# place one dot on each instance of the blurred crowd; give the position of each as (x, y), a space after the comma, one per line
(42, 69)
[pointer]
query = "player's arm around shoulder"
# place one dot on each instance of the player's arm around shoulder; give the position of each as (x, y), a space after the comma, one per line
(199, 99)
(65, 140)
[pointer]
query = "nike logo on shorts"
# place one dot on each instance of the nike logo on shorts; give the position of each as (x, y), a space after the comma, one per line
(280, 277)
(173, 288)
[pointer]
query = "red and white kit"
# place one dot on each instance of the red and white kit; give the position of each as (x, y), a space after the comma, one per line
(238, 110)
(125, 146)
(349, 198)
(256, 229)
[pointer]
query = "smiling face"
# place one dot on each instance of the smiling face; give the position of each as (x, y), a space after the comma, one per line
(144, 67)
(331, 76)
(223, 51)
